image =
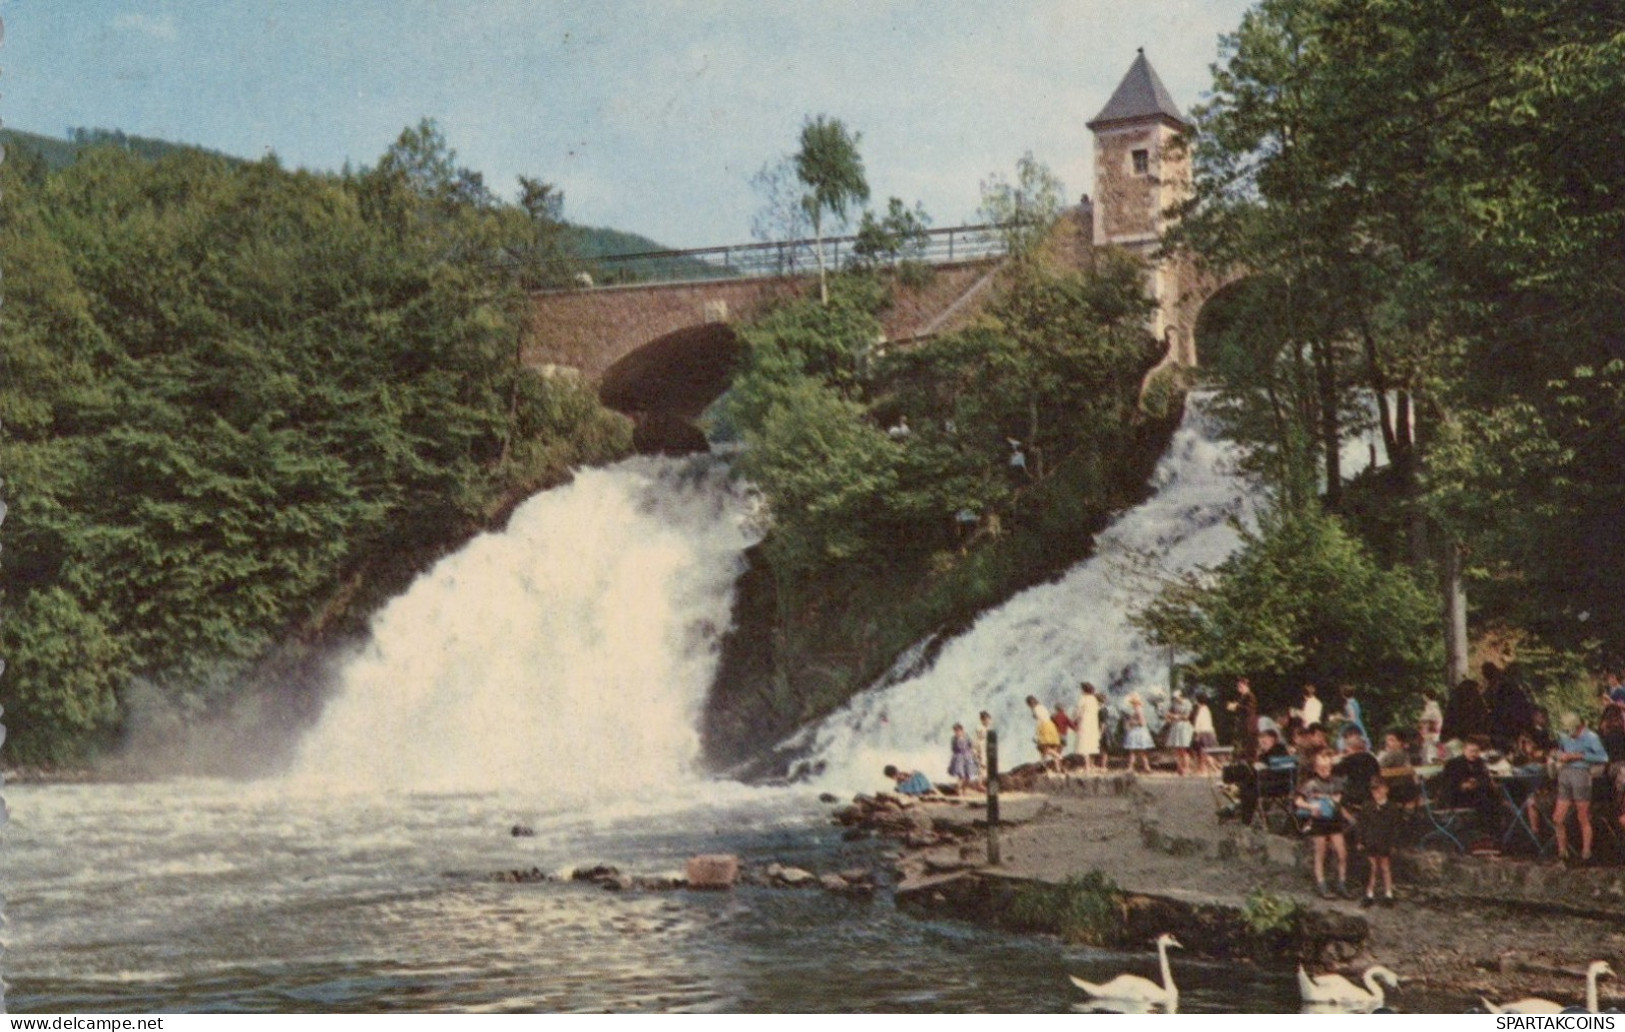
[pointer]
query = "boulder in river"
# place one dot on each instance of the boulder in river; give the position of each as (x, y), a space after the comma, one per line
(713, 871)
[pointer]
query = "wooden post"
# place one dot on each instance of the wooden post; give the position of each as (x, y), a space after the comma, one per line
(992, 798)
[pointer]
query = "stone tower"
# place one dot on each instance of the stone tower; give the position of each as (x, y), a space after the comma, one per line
(1139, 173)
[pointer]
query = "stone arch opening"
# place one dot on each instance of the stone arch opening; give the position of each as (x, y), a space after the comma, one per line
(1241, 321)
(667, 383)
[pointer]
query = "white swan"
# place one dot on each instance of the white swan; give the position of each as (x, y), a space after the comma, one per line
(1135, 989)
(1535, 1005)
(1337, 991)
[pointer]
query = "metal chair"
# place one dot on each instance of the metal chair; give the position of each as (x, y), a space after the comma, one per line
(1445, 824)
(1277, 785)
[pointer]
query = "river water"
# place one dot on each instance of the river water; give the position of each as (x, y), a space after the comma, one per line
(552, 675)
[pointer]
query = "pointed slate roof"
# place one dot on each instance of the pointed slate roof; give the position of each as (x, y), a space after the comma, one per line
(1141, 95)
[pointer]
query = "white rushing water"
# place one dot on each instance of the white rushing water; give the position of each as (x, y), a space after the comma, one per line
(1046, 640)
(569, 654)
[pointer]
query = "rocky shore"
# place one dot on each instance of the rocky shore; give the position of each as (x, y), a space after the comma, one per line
(1464, 926)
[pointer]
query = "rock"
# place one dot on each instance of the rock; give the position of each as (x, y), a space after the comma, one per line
(850, 814)
(618, 882)
(833, 883)
(827, 797)
(856, 834)
(661, 882)
(712, 871)
(794, 877)
(595, 873)
(858, 876)
(523, 831)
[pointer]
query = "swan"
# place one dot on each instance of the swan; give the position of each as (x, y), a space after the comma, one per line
(1535, 1005)
(1135, 989)
(1339, 991)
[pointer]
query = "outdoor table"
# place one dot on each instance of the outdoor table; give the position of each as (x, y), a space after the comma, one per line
(1519, 825)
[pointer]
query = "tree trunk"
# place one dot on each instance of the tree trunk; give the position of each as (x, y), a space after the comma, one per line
(818, 245)
(1455, 612)
(1331, 436)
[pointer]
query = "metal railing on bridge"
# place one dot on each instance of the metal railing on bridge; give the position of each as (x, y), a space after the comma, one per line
(777, 258)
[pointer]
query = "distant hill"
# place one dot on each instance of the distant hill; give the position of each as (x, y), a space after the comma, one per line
(59, 152)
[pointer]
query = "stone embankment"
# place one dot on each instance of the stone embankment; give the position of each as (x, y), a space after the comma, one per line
(1464, 925)
(705, 873)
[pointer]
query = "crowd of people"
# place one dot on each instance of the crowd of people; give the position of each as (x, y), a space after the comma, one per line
(1488, 755)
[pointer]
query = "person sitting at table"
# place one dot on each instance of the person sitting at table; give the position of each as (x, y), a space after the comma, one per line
(1358, 768)
(1465, 784)
(1394, 755)
(1578, 747)
(1272, 755)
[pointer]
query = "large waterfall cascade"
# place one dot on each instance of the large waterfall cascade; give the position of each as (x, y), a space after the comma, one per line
(569, 654)
(1046, 640)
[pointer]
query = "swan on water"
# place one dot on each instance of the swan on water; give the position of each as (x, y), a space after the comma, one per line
(1335, 990)
(1134, 988)
(1535, 1005)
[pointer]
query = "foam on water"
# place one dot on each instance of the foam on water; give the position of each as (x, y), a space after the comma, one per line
(569, 655)
(1047, 639)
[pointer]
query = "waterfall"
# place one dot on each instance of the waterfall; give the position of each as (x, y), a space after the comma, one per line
(569, 654)
(1046, 640)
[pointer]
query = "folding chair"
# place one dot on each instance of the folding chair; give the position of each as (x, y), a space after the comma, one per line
(1444, 823)
(1277, 785)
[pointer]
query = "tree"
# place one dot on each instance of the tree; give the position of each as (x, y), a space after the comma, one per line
(1025, 211)
(829, 166)
(782, 218)
(899, 236)
(1301, 601)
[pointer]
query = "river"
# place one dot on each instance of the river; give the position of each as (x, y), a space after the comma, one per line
(552, 675)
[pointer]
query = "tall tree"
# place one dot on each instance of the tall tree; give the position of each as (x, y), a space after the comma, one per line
(829, 166)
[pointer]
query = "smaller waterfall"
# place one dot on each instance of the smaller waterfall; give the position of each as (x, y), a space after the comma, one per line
(1047, 639)
(569, 654)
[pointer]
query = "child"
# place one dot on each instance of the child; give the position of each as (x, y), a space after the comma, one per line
(1320, 799)
(1381, 822)
(1137, 738)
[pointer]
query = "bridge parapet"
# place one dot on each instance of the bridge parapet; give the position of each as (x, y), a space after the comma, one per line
(779, 259)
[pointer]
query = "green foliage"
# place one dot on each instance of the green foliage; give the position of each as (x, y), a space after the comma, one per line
(1302, 601)
(1085, 909)
(1266, 914)
(829, 166)
(230, 389)
(899, 236)
(1025, 210)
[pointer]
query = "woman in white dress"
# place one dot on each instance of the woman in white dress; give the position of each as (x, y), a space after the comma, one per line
(1089, 728)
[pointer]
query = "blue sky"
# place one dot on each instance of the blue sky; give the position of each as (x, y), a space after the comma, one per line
(651, 116)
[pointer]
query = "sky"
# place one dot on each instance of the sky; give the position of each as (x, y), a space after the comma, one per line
(650, 115)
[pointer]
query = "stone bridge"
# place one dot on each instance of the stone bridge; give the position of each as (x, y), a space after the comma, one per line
(669, 348)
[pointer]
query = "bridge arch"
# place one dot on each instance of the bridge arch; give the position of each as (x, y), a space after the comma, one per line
(665, 384)
(1244, 318)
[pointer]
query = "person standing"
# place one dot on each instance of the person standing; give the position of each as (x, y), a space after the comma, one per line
(1320, 799)
(1063, 722)
(962, 761)
(984, 724)
(1311, 708)
(1180, 734)
(1045, 735)
(1578, 747)
(1137, 737)
(1245, 707)
(1089, 726)
(1353, 715)
(1466, 716)
(1427, 728)
(1203, 737)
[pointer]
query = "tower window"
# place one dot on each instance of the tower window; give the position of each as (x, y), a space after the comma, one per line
(1142, 162)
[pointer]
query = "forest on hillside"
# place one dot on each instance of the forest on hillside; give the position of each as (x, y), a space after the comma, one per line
(1428, 203)
(240, 403)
